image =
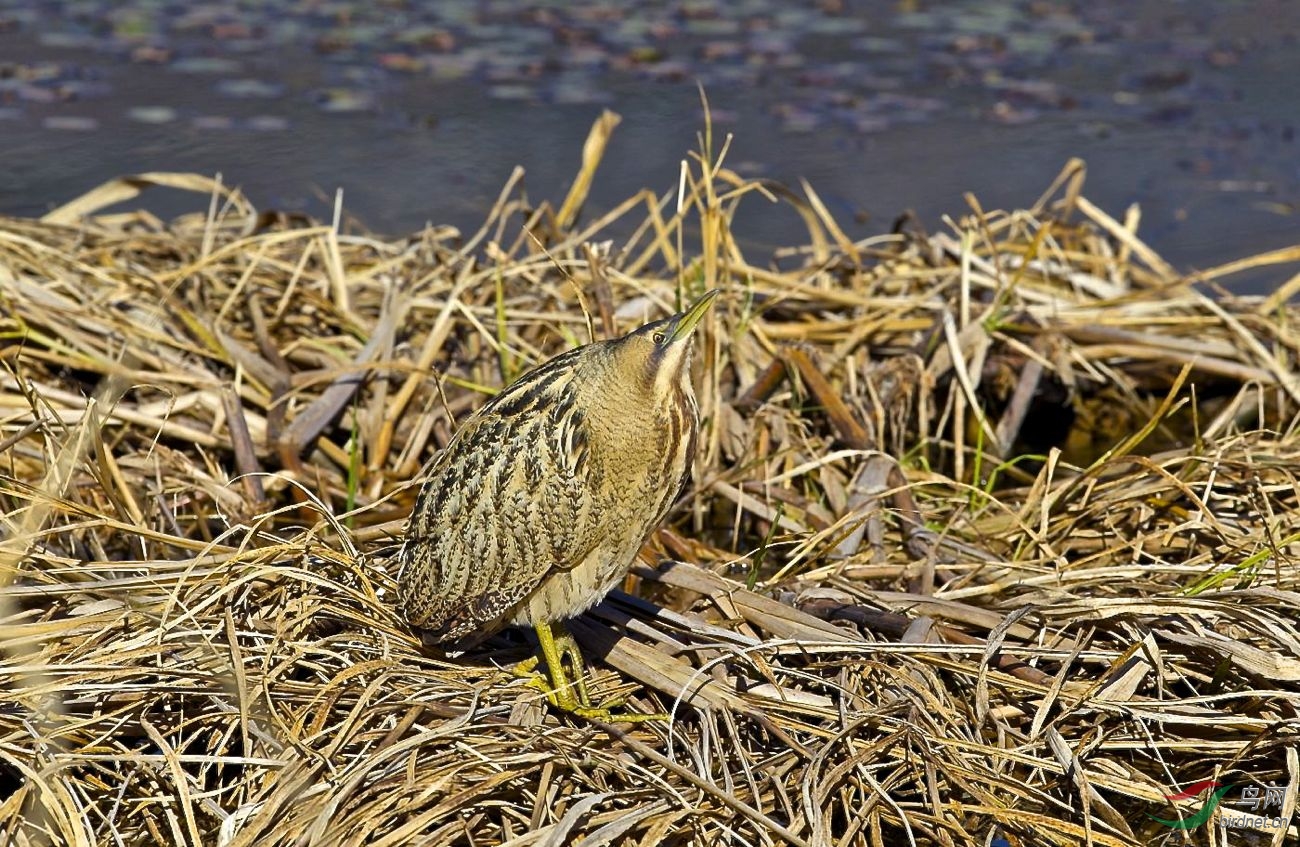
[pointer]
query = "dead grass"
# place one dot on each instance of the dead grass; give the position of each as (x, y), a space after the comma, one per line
(1015, 503)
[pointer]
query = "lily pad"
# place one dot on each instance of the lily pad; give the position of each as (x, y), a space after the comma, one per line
(344, 100)
(268, 123)
(249, 88)
(152, 114)
(206, 65)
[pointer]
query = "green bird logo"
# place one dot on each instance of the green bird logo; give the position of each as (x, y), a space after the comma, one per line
(1206, 811)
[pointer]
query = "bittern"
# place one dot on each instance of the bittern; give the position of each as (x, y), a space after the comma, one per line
(544, 496)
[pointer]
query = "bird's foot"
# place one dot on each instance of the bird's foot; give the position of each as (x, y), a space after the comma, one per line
(571, 697)
(607, 712)
(560, 694)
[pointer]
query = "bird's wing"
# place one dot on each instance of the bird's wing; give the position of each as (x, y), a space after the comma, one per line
(568, 490)
(504, 507)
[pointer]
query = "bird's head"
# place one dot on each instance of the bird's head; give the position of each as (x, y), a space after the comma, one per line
(657, 356)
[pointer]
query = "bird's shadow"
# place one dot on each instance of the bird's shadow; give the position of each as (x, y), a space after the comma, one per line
(514, 644)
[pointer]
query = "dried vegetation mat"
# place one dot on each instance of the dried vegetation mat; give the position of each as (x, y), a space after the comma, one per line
(991, 539)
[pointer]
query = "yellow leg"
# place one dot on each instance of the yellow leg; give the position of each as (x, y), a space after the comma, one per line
(569, 697)
(557, 645)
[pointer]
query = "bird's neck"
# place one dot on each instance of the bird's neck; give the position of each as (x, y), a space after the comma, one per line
(641, 427)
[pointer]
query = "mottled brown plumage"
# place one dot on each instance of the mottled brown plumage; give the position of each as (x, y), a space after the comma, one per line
(539, 504)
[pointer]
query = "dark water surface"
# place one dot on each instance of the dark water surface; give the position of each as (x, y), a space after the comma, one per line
(419, 111)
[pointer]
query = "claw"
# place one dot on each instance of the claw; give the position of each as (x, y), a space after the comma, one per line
(571, 697)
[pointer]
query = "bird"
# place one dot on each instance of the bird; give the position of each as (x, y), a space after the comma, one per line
(542, 499)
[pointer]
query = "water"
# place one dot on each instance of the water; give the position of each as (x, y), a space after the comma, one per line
(419, 112)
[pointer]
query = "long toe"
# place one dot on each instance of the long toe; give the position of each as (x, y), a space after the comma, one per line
(611, 716)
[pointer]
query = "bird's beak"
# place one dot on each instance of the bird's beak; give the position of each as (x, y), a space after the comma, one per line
(687, 320)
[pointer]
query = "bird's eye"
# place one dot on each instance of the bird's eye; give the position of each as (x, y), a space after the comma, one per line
(658, 338)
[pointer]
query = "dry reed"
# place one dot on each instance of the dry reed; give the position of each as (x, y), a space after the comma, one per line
(993, 531)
